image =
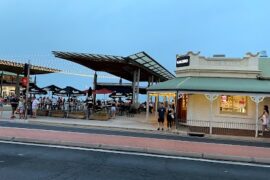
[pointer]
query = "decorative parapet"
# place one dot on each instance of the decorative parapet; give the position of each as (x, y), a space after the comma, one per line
(197, 65)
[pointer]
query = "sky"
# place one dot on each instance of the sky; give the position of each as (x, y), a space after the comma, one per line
(31, 29)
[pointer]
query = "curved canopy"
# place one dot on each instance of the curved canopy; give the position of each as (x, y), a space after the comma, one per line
(120, 66)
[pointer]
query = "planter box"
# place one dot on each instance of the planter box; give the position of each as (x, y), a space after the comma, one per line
(76, 115)
(57, 114)
(42, 112)
(100, 117)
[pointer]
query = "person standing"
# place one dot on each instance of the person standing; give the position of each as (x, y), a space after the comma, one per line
(21, 108)
(170, 117)
(14, 102)
(89, 109)
(161, 115)
(113, 110)
(35, 104)
(1, 107)
(265, 118)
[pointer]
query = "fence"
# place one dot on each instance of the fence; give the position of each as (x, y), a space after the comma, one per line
(223, 128)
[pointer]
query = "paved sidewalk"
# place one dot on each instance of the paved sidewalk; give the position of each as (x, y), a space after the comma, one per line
(138, 122)
(140, 144)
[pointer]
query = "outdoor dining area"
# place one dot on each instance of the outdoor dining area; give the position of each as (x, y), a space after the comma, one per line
(70, 102)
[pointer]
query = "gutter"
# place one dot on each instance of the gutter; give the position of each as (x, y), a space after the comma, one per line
(262, 78)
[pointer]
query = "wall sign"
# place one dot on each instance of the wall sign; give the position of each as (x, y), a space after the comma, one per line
(182, 61)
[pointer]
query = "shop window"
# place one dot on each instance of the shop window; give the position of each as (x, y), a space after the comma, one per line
(233, 104)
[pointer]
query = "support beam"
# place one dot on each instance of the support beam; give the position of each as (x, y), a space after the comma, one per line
(94, 88)
(17, 87)
(257, 100)
(176, 109)
(134, 87)
(138, 85)
(27, 90)
(147, 106)
(156, 104)
(211, 98)
(1, 84)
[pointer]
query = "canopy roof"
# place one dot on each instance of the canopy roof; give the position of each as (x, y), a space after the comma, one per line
(17, 68)
(120, 66)
(119, 88)
(214, 84)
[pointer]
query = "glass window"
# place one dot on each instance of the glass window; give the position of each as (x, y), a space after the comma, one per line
(233, 104)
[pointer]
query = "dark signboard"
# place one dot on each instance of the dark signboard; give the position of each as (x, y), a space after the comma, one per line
(182, 61)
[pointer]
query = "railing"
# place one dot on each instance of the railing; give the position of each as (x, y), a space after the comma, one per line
(223, 128)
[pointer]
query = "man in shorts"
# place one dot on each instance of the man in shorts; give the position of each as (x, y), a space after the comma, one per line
(14, 102)
(161, 116)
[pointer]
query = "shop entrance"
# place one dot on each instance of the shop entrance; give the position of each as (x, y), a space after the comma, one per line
(182, 108)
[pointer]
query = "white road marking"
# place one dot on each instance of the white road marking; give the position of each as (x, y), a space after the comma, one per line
(139, 154)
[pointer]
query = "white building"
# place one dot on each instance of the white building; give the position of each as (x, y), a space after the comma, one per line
(218, 94)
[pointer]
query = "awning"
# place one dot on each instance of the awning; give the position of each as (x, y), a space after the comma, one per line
(214, 84)
(17, 68)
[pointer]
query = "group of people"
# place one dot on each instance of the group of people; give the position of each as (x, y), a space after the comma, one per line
(18, 104)
(60, 103)
(170, 115)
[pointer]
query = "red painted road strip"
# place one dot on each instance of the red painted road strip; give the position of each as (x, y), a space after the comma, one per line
(137, 142)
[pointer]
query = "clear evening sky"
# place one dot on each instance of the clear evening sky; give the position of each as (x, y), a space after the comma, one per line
(31, 29)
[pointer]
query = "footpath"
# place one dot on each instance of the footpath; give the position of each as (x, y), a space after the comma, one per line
(153, 145)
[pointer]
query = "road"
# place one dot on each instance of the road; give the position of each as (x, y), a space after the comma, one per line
(20, 161)
(133, 133)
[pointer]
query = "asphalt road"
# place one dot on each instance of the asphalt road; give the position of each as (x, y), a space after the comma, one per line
(34, 162)
(133, 133)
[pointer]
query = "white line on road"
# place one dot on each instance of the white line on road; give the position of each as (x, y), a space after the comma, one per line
(138, 154)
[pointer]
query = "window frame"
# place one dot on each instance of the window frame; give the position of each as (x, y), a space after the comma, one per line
(233, 112)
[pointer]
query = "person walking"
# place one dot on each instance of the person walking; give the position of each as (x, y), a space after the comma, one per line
(35, 104)
(161, 115)
(14, 102)
(113, 110)
(265, 119)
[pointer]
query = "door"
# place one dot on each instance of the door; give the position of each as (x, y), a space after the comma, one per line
(182, 108)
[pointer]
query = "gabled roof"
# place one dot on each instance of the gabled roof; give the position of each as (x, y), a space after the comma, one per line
(120, 66)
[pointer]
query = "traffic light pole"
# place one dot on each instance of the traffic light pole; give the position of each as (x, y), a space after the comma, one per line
(27, 90)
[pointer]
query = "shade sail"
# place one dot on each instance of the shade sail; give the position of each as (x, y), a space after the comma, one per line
(52, 88)
(69, 91)
(34, 89)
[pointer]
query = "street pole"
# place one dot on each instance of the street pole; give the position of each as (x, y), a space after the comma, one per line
(27, 90)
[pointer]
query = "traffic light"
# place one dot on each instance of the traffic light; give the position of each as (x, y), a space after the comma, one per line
(25, 69)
